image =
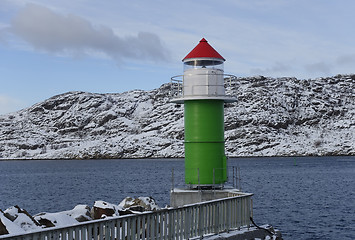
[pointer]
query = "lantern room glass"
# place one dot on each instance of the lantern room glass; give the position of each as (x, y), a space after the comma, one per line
(204, 63)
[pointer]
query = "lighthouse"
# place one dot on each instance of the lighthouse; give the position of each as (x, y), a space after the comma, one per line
(201, 89)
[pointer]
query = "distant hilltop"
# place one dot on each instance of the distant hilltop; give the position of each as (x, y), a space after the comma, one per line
(272, 117)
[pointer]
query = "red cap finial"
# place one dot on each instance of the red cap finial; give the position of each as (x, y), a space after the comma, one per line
(203, 40)
(203, 50)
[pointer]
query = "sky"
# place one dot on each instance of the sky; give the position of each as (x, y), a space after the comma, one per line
(112, 46)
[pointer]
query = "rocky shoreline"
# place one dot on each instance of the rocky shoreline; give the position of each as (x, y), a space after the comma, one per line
(177, 158)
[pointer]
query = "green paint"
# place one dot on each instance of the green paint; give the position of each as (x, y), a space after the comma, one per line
(205, 160)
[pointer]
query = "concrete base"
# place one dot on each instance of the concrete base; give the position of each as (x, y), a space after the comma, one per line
(247, 234)
(180, 197)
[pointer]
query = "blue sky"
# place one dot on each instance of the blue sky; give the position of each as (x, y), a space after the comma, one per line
(51, 47)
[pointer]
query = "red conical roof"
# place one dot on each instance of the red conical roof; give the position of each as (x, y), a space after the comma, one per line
(203, 50)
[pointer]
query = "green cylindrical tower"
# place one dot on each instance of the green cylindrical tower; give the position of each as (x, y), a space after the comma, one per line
(203, 96)
(204, 142)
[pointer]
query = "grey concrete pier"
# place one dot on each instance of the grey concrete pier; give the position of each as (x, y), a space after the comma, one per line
(180, 197)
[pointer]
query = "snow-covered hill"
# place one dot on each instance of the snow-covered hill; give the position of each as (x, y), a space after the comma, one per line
(272, 117)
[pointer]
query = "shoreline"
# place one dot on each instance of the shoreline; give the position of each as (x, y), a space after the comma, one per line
(162, 158)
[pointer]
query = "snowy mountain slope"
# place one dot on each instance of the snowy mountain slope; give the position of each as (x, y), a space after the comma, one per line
(287, 116)
(272, 117)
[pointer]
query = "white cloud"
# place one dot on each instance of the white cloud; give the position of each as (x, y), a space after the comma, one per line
(52, 32)
(274, 38)
(9, 104)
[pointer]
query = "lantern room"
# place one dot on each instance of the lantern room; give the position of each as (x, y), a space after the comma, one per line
(203, 72)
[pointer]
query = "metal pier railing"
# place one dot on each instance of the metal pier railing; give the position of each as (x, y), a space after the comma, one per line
(195, 220)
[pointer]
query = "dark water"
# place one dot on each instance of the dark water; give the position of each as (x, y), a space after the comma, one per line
(306, 198)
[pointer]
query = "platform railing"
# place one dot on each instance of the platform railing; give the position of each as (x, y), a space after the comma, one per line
(177, 84)
(189, 221)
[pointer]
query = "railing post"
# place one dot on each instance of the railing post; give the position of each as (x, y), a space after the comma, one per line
(239, 180)
(200, 220)
(134, 234)
(145, 227)
(251, 208)
(181, 223)
(123, 231)
(116, 229)
(172, 179)
(233, 177)
(95, 232)
(228, 212)
(214, 180)
(232, 210)
(161, 224)
(139, 227)
(82, 233)
(181, 85)
(239, 215)
(198, 178)
(245, 206)
(169, 225)
(214, 183)
(153, 226)
(187, 222)
(216, 217)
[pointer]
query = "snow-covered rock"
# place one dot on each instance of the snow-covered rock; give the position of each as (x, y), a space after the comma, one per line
(273, 116)
(9, 227)
(139, 204)
(22, 218)
(102, 209)
(55, 219)
(15, 220)
(80, 213)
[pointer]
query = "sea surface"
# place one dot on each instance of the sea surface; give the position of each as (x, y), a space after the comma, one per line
(304, 197)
